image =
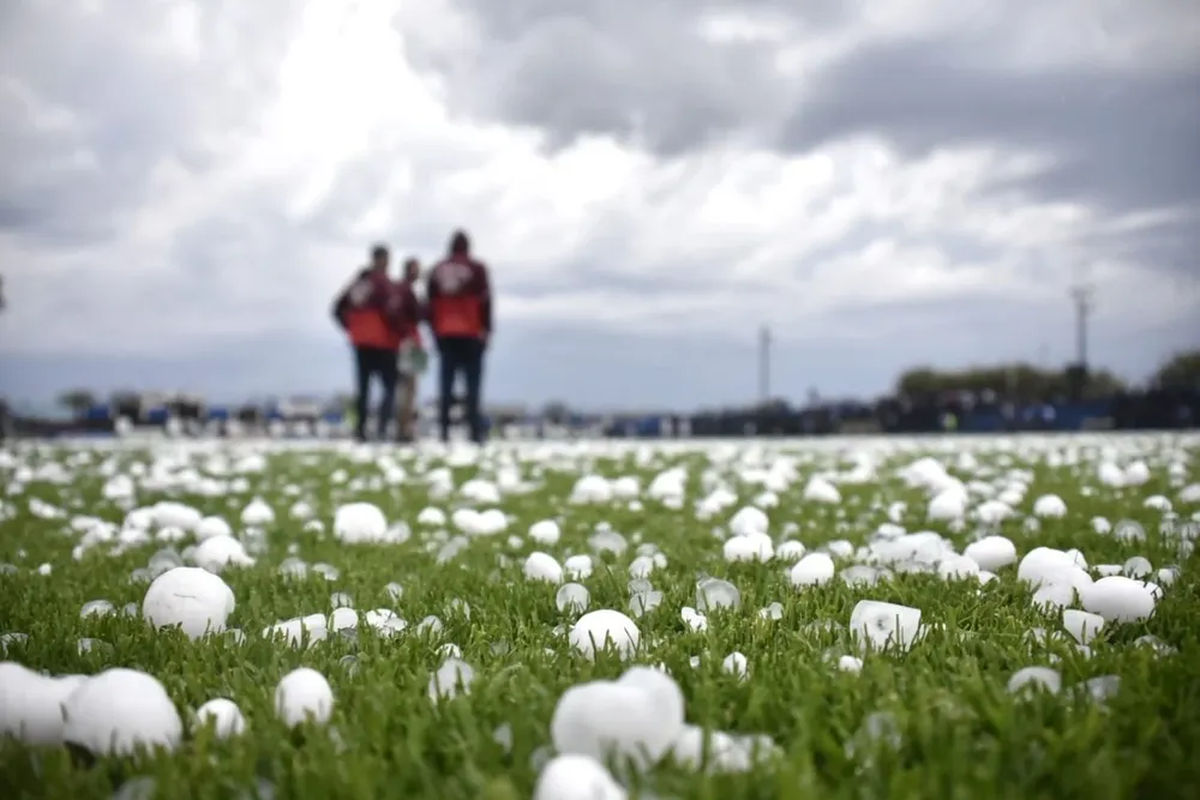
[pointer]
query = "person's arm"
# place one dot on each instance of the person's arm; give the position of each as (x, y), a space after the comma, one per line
(341, 303)
(485, 303)
(431, 294)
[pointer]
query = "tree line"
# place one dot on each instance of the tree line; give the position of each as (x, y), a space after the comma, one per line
(1019, 382)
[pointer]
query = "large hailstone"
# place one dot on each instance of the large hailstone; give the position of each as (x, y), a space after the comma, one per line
(1118, 599)
(577, 777)
(638, 717)
(191, 598)
(885, 625)
(31, 703)
(118, 711)
(301, 694)
(602, 628)
(356, 523)
(224, 715)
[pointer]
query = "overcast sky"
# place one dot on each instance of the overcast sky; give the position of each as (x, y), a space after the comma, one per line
(184, 185)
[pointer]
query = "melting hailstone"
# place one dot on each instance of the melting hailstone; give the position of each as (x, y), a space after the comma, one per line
(119, 710)
(882, 625)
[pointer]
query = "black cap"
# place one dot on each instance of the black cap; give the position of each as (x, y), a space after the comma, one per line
(459, 243)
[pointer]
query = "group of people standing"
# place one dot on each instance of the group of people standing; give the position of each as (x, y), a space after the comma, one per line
(382, 318)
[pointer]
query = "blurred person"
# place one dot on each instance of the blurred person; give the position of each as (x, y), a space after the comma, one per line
(413, 358)
(374, 314)
(459, 311)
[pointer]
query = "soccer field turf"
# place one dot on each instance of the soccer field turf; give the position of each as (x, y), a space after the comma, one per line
(444, 598)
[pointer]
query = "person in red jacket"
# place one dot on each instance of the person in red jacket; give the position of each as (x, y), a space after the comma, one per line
(459, 311)
(374, 313)
(412, 355)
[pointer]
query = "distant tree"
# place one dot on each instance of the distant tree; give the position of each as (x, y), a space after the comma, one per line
(1020, 382)
(77, 401)
(556, 412)
(1181, 369)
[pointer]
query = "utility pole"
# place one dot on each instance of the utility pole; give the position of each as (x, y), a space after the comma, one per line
(1081, 295)
(764, 365)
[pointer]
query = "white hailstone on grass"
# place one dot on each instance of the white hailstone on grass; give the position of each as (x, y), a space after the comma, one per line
(717, 593)
(431, 517)
(636, 717)
(1110, 475)
(598, 630)
(572, 598)
(736, 665)
(478, 490)
(168, 514)
(751, 547)
(195, 600)
(749, 520)
(840, 548)
(257, 513)
(791, 551)
(850, 664)
(343, 619)
(1137, 474)
(957, 568)
(119, 710)
(992, 512)
(992, 552)
(1137, 567)
(694, 619)
(1157, 502)
(1049, 506)
(578, 567)
(543, 567)
(545, 532)
(880, 626)
(820, 490)
(223, 715)
(209, 527)
(591, 489)
(1082, 625)
(948, 504)
(314, 627)
(1117, 598)
(1043, 565)
(216, 553)
(573, 776)
(31, 703)
(301, 695)
(815, 569)
(452, 678)
(1031, 679)
(641, 567)
(360, 522)
(1053, 596)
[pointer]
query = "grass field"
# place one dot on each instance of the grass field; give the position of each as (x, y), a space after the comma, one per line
(740, 564)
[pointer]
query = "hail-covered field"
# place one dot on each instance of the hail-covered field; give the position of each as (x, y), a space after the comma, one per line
(969, 618)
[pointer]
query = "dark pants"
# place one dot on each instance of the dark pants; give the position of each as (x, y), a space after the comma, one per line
(380, 362)
(458, 354)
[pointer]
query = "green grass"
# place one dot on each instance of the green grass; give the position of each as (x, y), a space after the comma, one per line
(961, 734)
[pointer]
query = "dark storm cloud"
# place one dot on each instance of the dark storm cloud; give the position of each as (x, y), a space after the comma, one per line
(1126, 139)
(632, 69)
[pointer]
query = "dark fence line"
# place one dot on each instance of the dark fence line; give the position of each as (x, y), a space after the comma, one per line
(1160, 409)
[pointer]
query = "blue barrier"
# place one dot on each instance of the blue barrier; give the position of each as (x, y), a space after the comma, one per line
(98, 413)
